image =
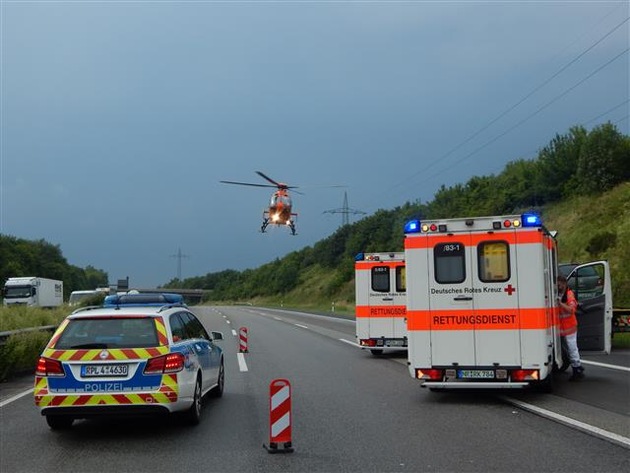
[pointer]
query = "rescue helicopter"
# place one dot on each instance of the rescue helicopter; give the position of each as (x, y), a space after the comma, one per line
(279, 210)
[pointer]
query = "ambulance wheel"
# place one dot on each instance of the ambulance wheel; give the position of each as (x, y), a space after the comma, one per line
(377, 352)
(59, 422)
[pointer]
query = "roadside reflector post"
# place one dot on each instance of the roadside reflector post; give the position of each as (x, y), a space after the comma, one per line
(279, 417)
(242, 340)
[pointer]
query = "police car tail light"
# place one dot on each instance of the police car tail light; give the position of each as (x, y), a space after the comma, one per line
(171, 363)
(525, 375)
(48, 367)
(429, 374)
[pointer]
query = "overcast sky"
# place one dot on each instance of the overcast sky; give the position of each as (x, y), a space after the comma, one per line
(119, 119)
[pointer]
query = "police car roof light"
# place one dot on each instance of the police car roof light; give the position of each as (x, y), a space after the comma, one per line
(412, 226)
(531, 220)
(143, 299)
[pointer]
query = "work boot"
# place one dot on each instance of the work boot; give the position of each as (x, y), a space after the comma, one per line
(578, 373)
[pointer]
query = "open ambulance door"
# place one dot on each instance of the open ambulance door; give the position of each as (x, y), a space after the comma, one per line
(590, 283)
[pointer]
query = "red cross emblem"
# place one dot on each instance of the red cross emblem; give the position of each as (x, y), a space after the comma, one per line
(509, 289)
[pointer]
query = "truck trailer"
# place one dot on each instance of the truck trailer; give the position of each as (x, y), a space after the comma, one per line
(33, 292)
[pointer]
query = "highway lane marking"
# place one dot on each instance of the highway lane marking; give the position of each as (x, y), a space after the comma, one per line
(589, 429)
(604, 365)
(301, 326)
(242, 364)
(16, 397)
(277, 318)
(234, 332)
(350, 343)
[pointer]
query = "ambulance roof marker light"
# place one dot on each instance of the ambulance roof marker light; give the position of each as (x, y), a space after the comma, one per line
(412, 226)
(531, 220)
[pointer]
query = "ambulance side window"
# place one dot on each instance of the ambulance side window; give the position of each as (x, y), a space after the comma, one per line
(450, 263)
(380, 279)
(401, 279)
(493, 261)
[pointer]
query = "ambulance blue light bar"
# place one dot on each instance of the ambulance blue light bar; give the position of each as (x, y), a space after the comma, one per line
(412, 226)
(531, 220)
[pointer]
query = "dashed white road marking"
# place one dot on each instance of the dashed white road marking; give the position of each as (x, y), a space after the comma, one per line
(234, 332)
(301, 326)
(242, 365)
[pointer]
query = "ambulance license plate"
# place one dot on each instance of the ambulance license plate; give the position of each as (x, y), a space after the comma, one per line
(104, 370)
(396, 343)
(475, 374)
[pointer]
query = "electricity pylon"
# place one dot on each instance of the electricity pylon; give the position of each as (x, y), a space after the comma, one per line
(345, 211)
(179, 257)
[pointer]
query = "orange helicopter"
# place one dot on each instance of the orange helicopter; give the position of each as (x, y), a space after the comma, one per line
(279, 212)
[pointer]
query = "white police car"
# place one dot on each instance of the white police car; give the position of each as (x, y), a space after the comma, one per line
(138, 354)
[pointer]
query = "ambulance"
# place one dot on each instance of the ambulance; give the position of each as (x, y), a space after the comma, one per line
(482, 303)
(380, 298)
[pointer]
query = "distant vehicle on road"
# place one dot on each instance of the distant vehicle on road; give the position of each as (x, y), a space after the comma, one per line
(128, 360)
(33, 292)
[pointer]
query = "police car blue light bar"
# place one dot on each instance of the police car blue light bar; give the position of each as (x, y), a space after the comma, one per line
(412, 226)
(143, 299)
(531, 220)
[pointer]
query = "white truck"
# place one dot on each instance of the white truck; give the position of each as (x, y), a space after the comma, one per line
(482, 303)
(380, 301)
(33, 292)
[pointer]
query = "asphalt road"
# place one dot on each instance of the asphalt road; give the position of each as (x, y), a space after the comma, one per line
(351, 412)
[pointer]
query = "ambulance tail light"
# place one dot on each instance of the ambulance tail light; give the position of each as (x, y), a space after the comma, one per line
(49, 367)
(171, 363)
(367, 342)
(525, 375)
(429, 374)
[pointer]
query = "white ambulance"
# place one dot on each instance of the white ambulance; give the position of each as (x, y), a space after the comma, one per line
(482, 302)
(380, 291)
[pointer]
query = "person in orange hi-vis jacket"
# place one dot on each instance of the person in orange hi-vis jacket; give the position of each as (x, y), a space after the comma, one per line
(568, 326)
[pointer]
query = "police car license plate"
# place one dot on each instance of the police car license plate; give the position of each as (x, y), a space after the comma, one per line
(104, 370)
(475, 374)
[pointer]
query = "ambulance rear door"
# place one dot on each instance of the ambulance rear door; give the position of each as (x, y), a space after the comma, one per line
(387, 300)
(473, 300)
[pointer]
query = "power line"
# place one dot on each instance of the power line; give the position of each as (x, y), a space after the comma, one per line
(558, 97)
(536, 89)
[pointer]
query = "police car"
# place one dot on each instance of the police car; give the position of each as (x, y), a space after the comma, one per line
(137, 354)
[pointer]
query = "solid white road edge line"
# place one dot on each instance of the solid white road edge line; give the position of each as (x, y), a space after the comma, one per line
(589, 429)
(16, 397)
(242, 365)
(604, 365)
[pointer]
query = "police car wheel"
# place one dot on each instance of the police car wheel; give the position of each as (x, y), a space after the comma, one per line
(193, 414)
(217, 391)
(377, 352)
(59, 422)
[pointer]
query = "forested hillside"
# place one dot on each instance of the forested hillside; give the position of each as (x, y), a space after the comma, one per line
(579, 183)
(19, 257)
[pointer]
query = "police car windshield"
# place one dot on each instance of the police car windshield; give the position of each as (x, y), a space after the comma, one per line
(116, 332)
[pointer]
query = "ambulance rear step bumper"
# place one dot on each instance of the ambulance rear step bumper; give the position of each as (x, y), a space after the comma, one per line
(474, 385)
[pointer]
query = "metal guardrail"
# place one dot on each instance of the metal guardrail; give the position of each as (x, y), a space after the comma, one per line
(621, 320)
(4, 336)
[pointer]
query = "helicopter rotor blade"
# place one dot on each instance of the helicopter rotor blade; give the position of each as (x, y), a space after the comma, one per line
(278, 184)
(246, 184)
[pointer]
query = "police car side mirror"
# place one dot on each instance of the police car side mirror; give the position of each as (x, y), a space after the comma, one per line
(216, 336)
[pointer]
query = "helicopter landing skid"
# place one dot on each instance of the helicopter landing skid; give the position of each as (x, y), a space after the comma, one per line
(265, 224)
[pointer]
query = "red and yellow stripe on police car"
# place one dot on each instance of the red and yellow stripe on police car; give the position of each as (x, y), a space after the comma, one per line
(167, 393)
(103, 354)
